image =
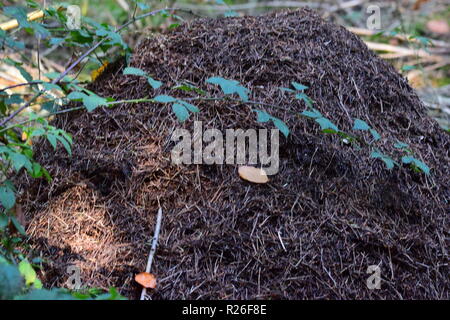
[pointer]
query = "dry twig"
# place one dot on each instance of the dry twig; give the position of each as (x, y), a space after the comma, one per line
(153, 249)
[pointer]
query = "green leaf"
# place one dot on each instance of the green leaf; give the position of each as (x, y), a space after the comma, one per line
(360, 125)
(52, 139)
(423, 40)
(76, 95)
(180, 111)
(37, 132)
(307, 100)
(91, 102)
(401, 145)
(376, 136)
(281, 126)
(326, 124)
(4, 221)
(286, 89)
(19, 14)
(7, 197)
(299, 86)
(18, 66)
(44, 294)
(407, 159)
(134, 71)
(189, 88)
(174, 25)
(37, 284)
(115, 38)
(4, 38)
(154, 83)
(230, 87)
(80, 37)
(113, 294)
(27, 271)
(422, 166)
(18, 226)
(312, 114)
(189, 106)
(40, 29)
(389, 162)
(56, 41)
(65, 143)
(408, 68)
(419, 164)
(19, 161)
(51, 86)
(37, 170)
(10, 281)
(46, 174)
(262, 116)
(164, 99)
(66, 135)
(230, 13)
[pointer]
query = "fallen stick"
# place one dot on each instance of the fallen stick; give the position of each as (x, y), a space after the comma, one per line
(153, 249)
(401, 50)
(367, 32)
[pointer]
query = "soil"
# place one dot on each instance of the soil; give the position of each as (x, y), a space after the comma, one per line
(310, 233)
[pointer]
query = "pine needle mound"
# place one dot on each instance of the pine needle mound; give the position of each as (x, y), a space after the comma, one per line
(310, 232)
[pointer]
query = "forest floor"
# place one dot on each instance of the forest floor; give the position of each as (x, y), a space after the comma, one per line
(311, 232)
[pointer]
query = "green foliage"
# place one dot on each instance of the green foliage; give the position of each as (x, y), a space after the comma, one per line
(20, 282)
(90, 100)
(9, 42)
(187, 87)
(375, 134)
(325, 124)
(179, 107)
(230, 87)
(138, 72)
(362, 125)
(416, 164)
(20, 15)
(18, 66)
(388, 161)
(299, 93)
(7, 196)
(21, 131)
(11, 281)
(28, 273)
(263, 116)
(408, 67)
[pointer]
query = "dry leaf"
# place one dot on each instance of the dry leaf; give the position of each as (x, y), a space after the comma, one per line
(20, 216)
(253, 174)
(145, 279)
(418, 4)
(96, 73)
(438, 26)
